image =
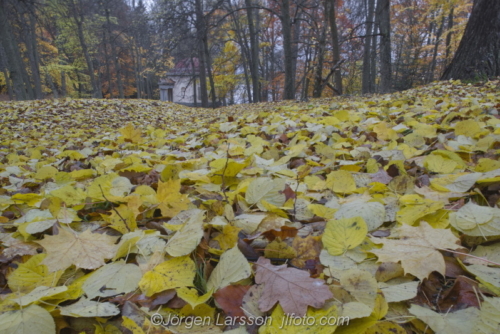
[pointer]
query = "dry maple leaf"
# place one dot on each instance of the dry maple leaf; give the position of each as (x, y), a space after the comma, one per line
(171, 201)
(417, 249)
(86, 250)
(294, 289)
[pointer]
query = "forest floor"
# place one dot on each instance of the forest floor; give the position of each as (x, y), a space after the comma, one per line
(382, 209)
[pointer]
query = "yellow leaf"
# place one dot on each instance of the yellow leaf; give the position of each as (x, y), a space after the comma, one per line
(320, 321)
(121, 219)
(70, 195)
(232, 267)
(131, 325)
(170, 200)
(341, 182)
(130, 134)
(188, 237)
(280, 250)
(46, 172)
(438, 164)
(82, 174)
(384, 132)
(228, 238)
(30, 199)
(322, 211)
(467, 128)
(32, 274)
(343, 234)
(174, 273)
(190, 295)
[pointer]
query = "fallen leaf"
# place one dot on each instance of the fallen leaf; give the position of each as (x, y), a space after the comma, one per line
(344, 234)
(417, 249)
(292, 288)
(173, 273)
(32, 319)
(232, 267)
(85, 250)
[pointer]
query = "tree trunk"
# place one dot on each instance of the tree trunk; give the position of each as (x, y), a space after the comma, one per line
(245, 53)
(254, 47)
(13, 62)
(384, 7)
(366, 86)
(114, 55)
(3, 66)
(200, 33)
(209, 71)
(320, 52)
(78, 17)
(63, 84)
(373, 55)
(432, 68)
(332, 20)
(478, 55)
(289, 93)
(449, 34)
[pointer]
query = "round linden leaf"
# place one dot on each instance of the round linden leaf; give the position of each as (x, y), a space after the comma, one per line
(232, 267)
(120, 187)
(112, 279)
(89, 308)
(343, 234)
(29, 320)
(373, 213)
(471, 215)
(39, 293)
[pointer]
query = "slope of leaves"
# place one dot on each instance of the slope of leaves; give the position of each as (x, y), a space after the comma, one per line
(380, 209)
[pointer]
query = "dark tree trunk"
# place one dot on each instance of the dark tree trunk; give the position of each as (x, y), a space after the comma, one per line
(13, 61)
(478, 55)
(201, 34)
(254, 46)
(384, 7)
(366, 86)
(320, 55)
(3, 66)
(332, 20)
(79, 20)
(245, 53)
(289, 93)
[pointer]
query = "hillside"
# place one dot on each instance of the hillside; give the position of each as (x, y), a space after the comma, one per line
(382, 209)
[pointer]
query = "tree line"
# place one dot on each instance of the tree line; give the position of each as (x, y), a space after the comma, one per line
(247, 50)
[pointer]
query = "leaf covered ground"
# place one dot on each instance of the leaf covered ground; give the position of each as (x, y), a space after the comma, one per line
(383, 210)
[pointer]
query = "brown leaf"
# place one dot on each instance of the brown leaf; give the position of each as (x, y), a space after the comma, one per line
(283, 233)
(381, 176)
(230, 298)
(307, 248)
(289, 193)
(463, 294)
(294, 289)
(453, 268)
